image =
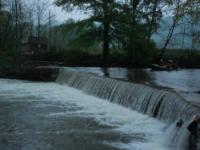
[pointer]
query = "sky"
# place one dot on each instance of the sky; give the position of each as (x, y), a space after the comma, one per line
(61, 15)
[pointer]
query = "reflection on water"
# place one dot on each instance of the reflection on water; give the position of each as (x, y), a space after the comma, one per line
(133, 75)
(139, 75)
(185, 81)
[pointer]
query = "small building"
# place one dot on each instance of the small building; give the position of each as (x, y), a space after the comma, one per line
(35, 46)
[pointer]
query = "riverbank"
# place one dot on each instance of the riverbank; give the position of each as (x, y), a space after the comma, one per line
(21, 67)
(183, 58)
(86, 60)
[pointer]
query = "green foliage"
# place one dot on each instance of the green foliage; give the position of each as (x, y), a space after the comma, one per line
(79, 36)
(123, 25)
(114, 28)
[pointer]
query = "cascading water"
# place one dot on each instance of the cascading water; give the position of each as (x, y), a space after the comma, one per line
(164, 105)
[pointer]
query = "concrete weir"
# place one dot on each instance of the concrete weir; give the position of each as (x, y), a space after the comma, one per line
(165, 105)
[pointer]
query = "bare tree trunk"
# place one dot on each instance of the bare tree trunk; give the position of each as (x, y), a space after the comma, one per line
(15, 13)
(49, 43)
(38, 29)
(171, 30)
(106, 42)
(6, 33)
(6, 29)
(152, 20)
(0, 35)
(30, 24)
(41, 8)
(106, 32)
(134, 4)
(20, 22)
(193, 37)
(183, 38)
(16, 18)
(169, 36)
(0, 5)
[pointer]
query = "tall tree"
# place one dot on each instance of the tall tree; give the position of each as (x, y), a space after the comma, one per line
(101, 11)
(131, 11)
(191, 10)
(16, 4)
(18, 18)
(134, 4)
(7, 26)
(40, 13)
(177, 15)
(140, 20)
(0, 5)
(153, 15)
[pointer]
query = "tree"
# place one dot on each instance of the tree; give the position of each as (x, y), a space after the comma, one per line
(6, 28)
(153, 16)
(0, 5)
(191, 11)
(186, 13)
(41, 7)
(101, 11)
(16, 8)
(14, 24)
(137, 21)
(177, 15)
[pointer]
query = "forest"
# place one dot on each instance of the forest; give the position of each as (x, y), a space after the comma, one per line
(131, 33)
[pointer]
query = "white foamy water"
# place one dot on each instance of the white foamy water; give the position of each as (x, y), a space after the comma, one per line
(136, 125)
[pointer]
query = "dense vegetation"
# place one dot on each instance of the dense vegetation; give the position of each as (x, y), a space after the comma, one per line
(115, 32)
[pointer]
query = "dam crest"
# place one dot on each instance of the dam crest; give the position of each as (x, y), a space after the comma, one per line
(164, 105)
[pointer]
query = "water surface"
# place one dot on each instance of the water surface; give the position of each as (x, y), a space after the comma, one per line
(49, 116)
(184, 81)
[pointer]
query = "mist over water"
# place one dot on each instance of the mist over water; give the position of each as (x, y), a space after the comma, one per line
(133, 131)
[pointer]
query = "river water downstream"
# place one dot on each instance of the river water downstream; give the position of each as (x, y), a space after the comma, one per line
(49, 116)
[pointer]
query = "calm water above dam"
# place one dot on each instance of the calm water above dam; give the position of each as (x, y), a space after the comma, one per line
(184, 81)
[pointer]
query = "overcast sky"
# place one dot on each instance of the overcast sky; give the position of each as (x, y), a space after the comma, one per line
(61, 15)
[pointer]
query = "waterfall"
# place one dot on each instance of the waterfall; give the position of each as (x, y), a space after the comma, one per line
(164, 105)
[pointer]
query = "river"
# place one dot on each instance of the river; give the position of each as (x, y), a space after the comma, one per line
(49, 116)
(55, 116)
(184, 81)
